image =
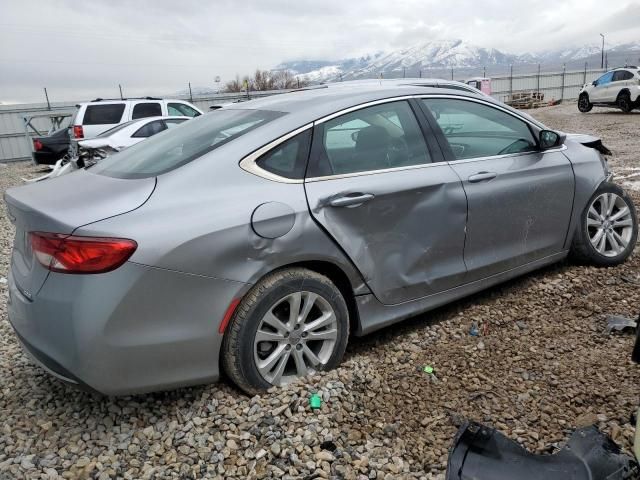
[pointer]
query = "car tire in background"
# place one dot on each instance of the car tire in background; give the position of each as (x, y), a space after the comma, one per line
(583, 103)
(624, 102)
(608, 228)
(291, 323)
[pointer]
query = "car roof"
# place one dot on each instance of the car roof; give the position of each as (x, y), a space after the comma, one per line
(107, 101)
(317, 102)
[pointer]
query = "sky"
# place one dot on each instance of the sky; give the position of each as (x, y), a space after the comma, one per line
(80, 50)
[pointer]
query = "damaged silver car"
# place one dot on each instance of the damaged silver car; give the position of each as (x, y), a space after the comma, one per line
(255, 241)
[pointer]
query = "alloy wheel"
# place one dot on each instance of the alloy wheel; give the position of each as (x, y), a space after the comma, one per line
(296, 337)
(609, 224)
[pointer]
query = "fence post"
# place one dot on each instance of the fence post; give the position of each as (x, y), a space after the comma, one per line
(46, 95)
(584, 77)
(510, 82)
(451, 73)
(484, 72)
(120, 87)
(420, 73)
(190, 95)
(404, 72)
(538, 80)
(564, 67)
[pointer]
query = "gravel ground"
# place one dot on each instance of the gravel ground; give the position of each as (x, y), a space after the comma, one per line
(541, 367)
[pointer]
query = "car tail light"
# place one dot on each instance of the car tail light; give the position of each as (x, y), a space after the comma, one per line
(75, 254)
(78, 132)
(37, 145)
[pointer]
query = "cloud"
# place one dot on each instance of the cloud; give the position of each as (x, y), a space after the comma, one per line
(77, 49)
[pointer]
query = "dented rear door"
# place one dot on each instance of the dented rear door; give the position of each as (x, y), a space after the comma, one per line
(403, 226)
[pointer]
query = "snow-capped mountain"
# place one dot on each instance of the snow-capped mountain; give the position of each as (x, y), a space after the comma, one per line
(428, 57)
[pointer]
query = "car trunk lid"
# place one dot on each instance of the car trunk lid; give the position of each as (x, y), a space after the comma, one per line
(60, 205)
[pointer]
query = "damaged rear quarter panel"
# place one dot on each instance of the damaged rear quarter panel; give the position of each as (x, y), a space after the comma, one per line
(199, 221)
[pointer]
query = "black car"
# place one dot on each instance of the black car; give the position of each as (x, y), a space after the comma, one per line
(48, 150)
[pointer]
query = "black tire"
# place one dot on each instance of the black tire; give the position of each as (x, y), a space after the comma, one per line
(583, 251)
(584, 105)
(624, 102)
(238, 343)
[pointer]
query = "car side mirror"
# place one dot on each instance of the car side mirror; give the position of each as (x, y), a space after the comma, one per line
(594, 83)
(548, 139)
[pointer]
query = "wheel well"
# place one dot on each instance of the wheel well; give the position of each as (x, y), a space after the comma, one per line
(340, 280)
(623, 91)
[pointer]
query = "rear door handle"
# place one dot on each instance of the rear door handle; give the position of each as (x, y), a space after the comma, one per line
(482, 177)
(351, 200)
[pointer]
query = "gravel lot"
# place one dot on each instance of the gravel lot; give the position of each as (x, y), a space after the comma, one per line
(542, 367)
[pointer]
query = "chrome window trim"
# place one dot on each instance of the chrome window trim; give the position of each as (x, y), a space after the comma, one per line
(249, 164)
(361, 106)
(374, 172)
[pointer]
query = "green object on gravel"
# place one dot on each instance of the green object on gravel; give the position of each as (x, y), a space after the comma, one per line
(315, 401)
(428, 369)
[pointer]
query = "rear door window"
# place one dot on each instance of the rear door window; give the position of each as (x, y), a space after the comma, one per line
(373, 138)
(150, 129)
(103, 114)
(144, 110)
(620, 75)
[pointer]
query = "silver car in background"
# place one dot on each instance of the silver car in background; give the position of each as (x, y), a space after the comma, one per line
(257, 239)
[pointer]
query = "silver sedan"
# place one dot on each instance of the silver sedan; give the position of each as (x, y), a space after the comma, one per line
(256, 239)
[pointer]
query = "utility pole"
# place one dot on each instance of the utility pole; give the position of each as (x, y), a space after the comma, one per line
(420, 73)
(538, 90)
(46, 95)
(484, 72)
(602, 55)
(404, 72)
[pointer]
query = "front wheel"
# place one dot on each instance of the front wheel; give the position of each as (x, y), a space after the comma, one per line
(583, 103)
(291, 324)
(608, 228)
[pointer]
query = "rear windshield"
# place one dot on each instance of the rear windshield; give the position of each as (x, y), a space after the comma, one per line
(183, 143)
(103, 114)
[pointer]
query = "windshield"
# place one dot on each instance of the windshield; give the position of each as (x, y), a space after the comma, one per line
(183, 143)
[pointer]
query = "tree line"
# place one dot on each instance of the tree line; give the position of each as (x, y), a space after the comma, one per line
(265, 80)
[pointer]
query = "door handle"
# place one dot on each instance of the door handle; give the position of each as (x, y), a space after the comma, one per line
(482, 177)
(351, 200)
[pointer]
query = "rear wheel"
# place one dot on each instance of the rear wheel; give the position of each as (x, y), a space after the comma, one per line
(624, 102)
(583, 103)
(291, 324)
(608, 228)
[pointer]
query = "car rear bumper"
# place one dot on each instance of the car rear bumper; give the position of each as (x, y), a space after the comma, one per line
(136, 329)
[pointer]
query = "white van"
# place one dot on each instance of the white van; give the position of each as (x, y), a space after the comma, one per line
(93, 118)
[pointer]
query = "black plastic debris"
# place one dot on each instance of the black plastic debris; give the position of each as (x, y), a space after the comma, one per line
(483, 453)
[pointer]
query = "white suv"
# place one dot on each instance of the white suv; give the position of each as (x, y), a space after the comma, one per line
(93, 118)
(616, 88)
